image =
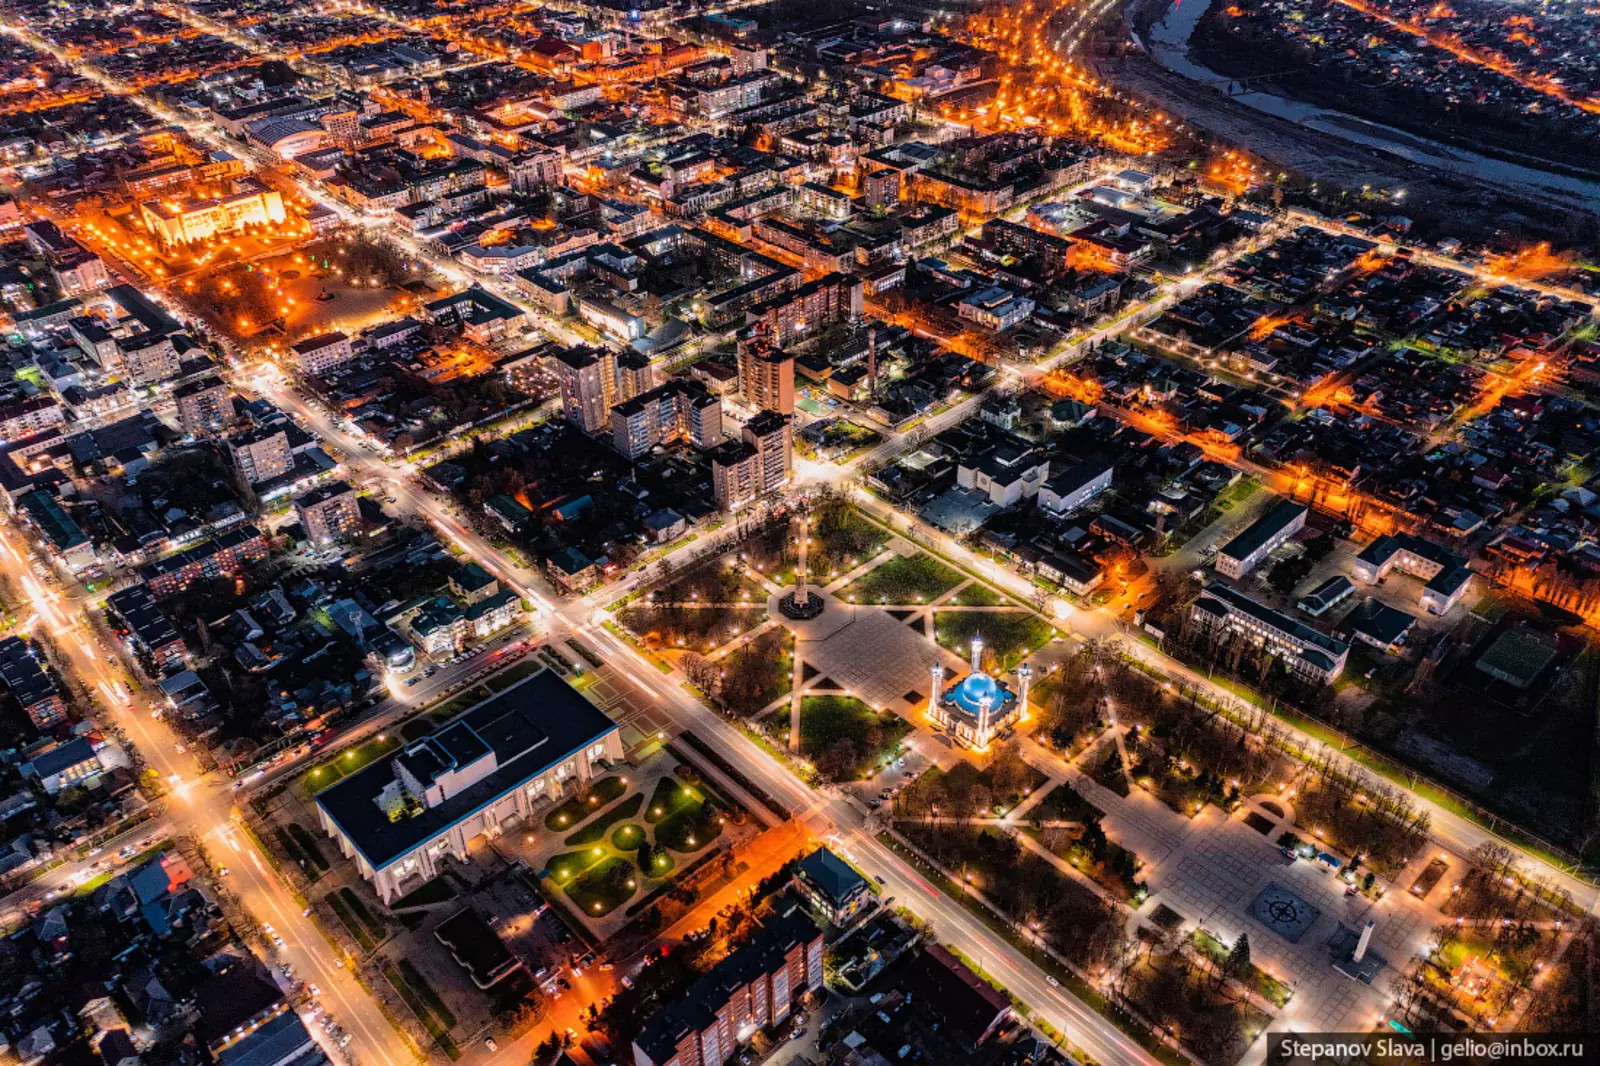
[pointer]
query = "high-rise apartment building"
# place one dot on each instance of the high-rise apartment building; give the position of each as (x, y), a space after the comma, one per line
(760, 463)
(261, 454)
(766, 375)
(771, 434)
(329, 513)
(594, 380)
(682, 409)
(203, 406)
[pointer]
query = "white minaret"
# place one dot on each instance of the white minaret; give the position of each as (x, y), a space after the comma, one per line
(1024, 675)
(938, 689)
(1366, 938)
(977, 654)
(983, 721)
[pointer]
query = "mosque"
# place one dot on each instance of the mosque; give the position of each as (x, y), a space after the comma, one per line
(978, 708)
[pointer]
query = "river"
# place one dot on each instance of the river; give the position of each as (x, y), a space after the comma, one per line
(1168, 45)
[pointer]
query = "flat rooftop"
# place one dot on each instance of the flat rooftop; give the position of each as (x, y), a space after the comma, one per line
(528, 728)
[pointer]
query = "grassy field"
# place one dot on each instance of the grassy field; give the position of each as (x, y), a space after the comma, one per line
(597, 828)
(845, 738)
(576, 809)
(347, 762)
(1008, 636)
(916, 579)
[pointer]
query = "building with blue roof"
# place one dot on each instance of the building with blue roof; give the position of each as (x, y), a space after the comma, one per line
(977, 708)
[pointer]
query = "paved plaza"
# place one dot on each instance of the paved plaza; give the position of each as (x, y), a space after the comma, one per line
(877, 657)
(638, 714)
(1224, 874)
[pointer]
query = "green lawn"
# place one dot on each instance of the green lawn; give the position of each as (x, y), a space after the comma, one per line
(691, 828)
(978, 594)
(1008, 636)
(349, 921)
(1268, 987)
(845, 738)
(656, 862)
(307, 845)
(437, 1026)
(917, 579)
(629, 836)
(578, 808)
(347, 762)
(564, 867)
(527, 666)
(670, 797)
(605, 887)
(596, 830)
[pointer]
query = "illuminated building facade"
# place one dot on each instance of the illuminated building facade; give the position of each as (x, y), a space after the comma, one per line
(175, 223)
(979, 707)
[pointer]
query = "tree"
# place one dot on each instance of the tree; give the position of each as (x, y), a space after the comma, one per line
(1237, 963)
(547, 1050)
(702, 673)
(1094, 841)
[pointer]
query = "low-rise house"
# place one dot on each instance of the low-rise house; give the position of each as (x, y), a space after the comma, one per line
(832, 886)
(69, 765)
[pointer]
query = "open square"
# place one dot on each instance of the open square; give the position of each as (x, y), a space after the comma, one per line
(1283, 912)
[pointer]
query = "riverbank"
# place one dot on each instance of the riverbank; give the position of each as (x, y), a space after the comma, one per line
(1474, 194)
(1309, 94)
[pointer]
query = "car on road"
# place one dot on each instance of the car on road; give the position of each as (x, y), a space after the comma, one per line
(430, 671)
(1051, 981)
(879, 879)
(410, 681)
(388, 499)
(489, 1043)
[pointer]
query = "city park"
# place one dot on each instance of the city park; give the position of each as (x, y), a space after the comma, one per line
(1119, 829)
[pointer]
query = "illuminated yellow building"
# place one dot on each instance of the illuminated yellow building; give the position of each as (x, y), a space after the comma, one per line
(176, 223)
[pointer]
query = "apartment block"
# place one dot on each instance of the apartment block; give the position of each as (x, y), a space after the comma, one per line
(203, 406)
(24, 676)
(1308, 653)
(317, 355)
(261, 454)
(751, 989)
(329, 513)
(771, 434)
(594, 380)
(148, 358)
(766, 375)
(759, 463)
(224, 555)
(682, 409)
(149, 631)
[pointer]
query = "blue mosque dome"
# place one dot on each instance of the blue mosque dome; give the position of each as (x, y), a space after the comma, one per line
(970, 693)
